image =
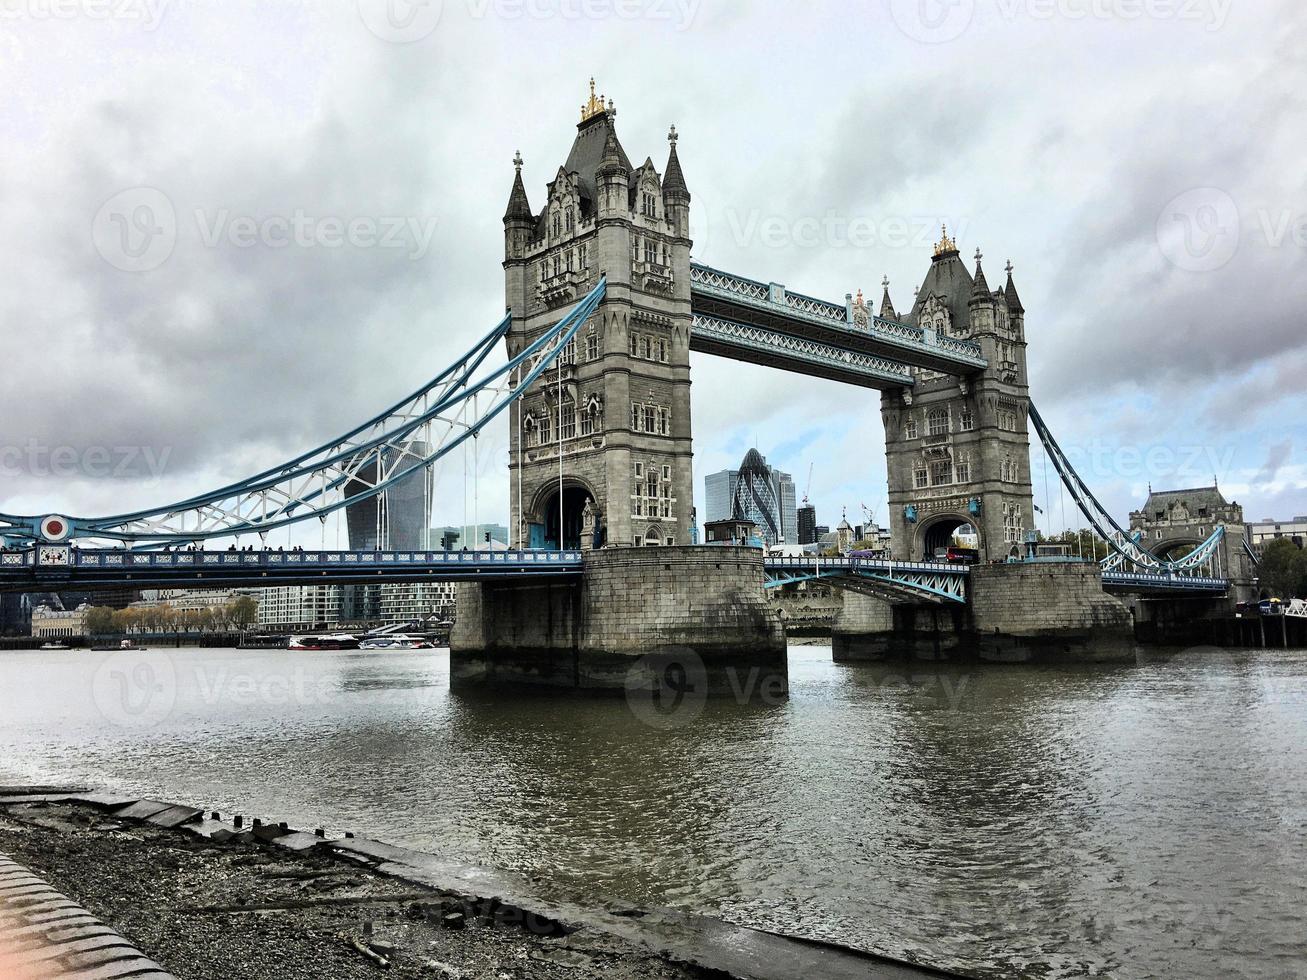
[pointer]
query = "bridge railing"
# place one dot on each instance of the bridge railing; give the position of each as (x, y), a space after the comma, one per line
(1167, 580)
(877, 564)
(106, 559)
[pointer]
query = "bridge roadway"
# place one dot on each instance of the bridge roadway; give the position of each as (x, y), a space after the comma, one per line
(56, 567)
(764, 323)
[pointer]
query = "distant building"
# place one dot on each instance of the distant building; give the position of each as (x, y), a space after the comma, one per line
(50, 623)
(1262, 533)
(844, 537)
(807, 517)
(416, 602)
(295, 607)
(191, 600)
(755, 492)
(395, 519)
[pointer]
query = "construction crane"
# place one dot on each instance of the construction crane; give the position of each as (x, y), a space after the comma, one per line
(809, 485)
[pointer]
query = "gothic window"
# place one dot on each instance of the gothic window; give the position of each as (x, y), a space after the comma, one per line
(639, 504)
(667, 472)
(662, 421)
(649, 205)
(910, 428)
(568, 355)
(591, 346)
(558, 225)
(585, 258)
(542, 430)
(639, 470)
(650, 419)
(662, 351)
(941, 473)
(567, 420)
(652, 487)
(569, 260)
(635, 340)
(636, 416)
(962, 470)
(644, 347)
(587, 423)
(920, 479)
(937, 422)
(557, 265)
(650, 251)
(967, 421)
(571, 223)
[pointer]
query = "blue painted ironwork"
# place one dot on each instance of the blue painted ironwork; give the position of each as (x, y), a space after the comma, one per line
(912, 581)
(352, 468)
(715, 335)
(1128, 554)
(1165, 582)
(724, 295)
(45, 566)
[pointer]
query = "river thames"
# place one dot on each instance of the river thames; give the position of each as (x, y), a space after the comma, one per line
(1128, 821)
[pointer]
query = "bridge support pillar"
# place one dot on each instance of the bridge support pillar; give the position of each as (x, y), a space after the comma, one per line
(660, 620)
(1018, 612)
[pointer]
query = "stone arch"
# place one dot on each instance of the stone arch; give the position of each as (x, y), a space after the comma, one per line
(543, 512)
(1172, 549)
(936, 532)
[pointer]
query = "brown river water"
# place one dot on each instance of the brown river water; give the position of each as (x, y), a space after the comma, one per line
(1145, 820)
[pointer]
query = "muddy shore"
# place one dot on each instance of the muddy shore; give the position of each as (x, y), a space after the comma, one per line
(247, 910)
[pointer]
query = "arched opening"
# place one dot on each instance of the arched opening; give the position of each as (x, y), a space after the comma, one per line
(574, 501)
(1174, 550)
(940, 535)
(653, 538)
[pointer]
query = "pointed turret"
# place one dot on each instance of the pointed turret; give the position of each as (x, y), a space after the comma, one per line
(887, 305)
(519, 208)
(1010, 293)
(979, 287)
(674, 187)
(612, 161)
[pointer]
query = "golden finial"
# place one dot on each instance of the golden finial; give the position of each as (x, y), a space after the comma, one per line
(595, 106)
(946, 244)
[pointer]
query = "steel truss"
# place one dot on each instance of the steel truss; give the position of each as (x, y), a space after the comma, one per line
(910, 581)
(416, 432)
(1127, 552)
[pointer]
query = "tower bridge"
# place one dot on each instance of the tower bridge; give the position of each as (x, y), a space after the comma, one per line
(605, 307)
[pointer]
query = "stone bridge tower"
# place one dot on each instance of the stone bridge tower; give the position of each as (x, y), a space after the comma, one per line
(1173, 523)
(958, 449)
(620, 418)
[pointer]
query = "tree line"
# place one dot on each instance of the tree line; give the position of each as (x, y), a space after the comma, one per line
(238, 614)
(1282, 573)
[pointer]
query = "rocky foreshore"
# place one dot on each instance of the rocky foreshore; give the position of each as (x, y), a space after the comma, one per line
(227, 900)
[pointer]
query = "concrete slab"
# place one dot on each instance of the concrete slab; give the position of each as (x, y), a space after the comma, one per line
(142, 809)
(297, 840)
(175, 816)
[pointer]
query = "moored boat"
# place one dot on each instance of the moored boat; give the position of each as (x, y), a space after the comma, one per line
(329, 641)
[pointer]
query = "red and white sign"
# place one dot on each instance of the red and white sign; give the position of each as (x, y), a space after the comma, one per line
(55, 528)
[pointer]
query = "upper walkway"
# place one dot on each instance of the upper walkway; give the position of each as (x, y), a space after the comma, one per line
(765, 323)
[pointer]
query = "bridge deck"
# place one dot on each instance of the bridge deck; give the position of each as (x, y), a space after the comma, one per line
(772, 310)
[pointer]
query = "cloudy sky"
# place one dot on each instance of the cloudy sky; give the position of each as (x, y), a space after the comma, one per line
(1139, 161)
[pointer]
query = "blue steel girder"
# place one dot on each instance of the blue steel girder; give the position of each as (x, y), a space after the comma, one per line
(763, 345)
(770, 306)
(416, 432)
(1168, 583)
(904, 581)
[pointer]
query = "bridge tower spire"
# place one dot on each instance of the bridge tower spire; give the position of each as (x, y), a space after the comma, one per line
(621, 402)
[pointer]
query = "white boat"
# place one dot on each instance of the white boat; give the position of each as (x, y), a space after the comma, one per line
(55, 646)
(395, 641)
(330, 641)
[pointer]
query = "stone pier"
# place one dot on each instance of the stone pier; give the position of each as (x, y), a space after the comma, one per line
(1019, 612)
(638, 615)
